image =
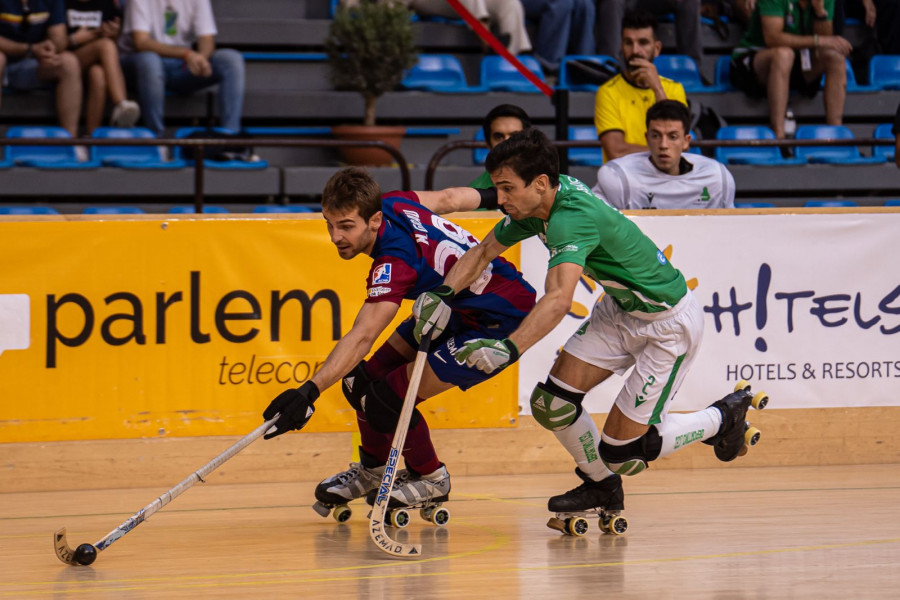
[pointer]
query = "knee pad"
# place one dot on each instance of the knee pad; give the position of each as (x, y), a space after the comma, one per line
(632, 458)
(381, 406)
(355, 383)
(553, 407)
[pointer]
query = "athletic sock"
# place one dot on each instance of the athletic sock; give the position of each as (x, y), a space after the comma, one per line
(385, 360)
(418, 449)
(581, 440)
(680, 429)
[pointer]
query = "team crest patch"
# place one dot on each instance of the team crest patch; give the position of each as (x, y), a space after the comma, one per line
(382, 274)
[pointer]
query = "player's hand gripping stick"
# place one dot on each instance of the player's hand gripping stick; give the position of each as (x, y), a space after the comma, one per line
(432, 312)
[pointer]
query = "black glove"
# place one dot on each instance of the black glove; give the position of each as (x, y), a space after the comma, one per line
(296, 408)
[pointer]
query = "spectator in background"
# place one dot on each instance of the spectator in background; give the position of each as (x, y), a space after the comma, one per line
(93, 28)
(664, 177)
(159, 55)
(506, 16)
(33, 42)
(687, 24)
(896, 132)
(787, 47)
(622, 102)
(563, 27)
(500, 123)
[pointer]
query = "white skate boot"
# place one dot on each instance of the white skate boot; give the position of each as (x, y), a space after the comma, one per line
(338, 490)
(413, 491)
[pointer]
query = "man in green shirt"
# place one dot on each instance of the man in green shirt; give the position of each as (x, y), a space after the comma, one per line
(788, 45)
(647, 319)
(501, 122)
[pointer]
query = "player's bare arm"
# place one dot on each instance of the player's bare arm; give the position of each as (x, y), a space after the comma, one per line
(372, 319)
(559, 289)
(456, 199)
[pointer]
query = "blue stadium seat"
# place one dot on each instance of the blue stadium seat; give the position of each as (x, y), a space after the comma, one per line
(884, 132)
(237, 165)
(278, 208)
(750, 155)
(497, 75)
(284, 56)
(437, 73)
(852, 86)
(577, 67)
(894, 202)
(684, 70)
(723, 74)
(829, 203)
(189, 208)
(28, 210)
(45, 157)
(479, 155)
(113, 210)
(831, 155)
(884, 71)
(591, 157)
(131, 157)
(754, 205)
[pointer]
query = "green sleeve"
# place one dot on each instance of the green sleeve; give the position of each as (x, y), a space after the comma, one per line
(571, 237)
(509, 232)
(775, 8)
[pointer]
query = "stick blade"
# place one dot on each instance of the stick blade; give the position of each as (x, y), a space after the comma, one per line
(61, 546)
(390, 546)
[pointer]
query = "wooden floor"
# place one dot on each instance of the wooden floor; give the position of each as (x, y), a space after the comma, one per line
(782, 532)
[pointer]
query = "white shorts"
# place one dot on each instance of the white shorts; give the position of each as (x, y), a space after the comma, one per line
(661, 347)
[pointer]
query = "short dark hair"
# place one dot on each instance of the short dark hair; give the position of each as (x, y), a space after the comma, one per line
(504, 110)
(669, 110)
(640, 19)
(528, 153)
(351, 188)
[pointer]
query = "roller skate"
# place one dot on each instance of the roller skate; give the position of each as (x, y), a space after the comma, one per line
(412, 491)
(334, 493)
(605, 499)
(736, 435)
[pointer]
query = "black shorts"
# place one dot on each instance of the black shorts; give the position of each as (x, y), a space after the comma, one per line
(743, 77)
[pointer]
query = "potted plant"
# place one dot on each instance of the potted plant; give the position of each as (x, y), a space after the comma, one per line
(369, 46)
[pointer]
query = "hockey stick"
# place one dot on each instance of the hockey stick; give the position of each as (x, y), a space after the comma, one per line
(85, 554)
(376, 520)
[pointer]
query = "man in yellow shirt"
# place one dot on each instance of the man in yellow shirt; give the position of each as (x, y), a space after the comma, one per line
(622, 102)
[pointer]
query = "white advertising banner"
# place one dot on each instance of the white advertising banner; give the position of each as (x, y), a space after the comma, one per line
(804, 306)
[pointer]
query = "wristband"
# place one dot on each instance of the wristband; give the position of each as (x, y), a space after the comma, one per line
(444, 292)
(488, 198)
(513, 350)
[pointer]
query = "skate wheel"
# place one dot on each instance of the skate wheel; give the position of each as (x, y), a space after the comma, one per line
(399, 518)
(751, 436)
(577, 526)
(743, 384)
(617, 525)
(321, 509)
(342, 513)
(760, 400)
(440, 516)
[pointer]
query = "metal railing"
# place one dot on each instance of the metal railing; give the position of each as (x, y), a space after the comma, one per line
(449, 147)
(198, 146)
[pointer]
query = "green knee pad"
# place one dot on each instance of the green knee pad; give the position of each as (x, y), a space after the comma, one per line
(553, 410)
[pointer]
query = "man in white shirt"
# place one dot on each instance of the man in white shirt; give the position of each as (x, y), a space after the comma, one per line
(664, 177)
(169, 45)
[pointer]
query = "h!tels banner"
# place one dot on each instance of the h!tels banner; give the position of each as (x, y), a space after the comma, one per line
(804, 306)
(145, 328)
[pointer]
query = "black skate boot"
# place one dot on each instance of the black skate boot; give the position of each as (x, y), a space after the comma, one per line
(336, 491)
(605, 498)
(728, 443)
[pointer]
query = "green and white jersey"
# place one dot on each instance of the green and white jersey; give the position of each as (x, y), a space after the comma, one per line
(612, 250)
(482, 182)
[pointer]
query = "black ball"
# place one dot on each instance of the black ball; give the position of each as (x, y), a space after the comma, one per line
(85, 554)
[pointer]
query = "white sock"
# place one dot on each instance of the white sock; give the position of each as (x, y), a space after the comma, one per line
(581, 439)
(681, 429)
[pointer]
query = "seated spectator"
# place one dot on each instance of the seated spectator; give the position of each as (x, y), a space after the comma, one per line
(500, 123)
(687, 24)
(159, 56)
(787, 47)
(33, 42)
(563, 27)
(665, 177)
(622, 102)
(93, 28)
(506, 16)
(896, 132)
